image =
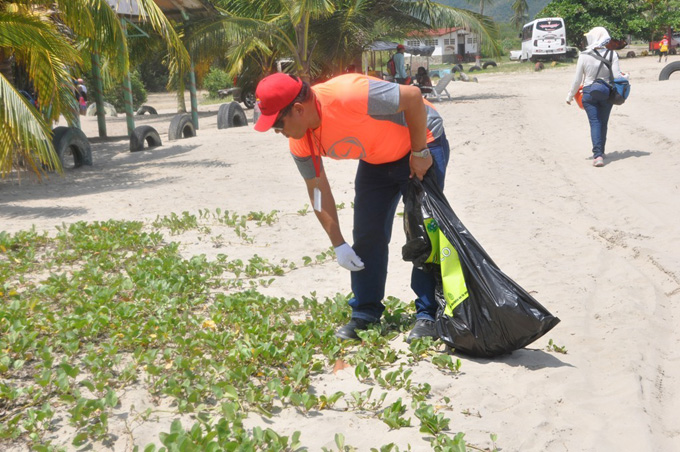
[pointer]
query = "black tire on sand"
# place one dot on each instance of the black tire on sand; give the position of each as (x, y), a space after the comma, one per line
(669, 69)
(71, 144)
(231, 115)
(144, 135)
(181, 126)
(147, 109)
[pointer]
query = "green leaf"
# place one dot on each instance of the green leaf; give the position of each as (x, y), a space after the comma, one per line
(176, 426)
(111, 399)
(70, 370)
(80, 439)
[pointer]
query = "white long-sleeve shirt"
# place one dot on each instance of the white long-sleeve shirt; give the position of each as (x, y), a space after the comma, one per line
(587, 70)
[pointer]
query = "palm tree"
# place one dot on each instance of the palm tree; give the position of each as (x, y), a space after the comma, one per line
(262, 29)
(344, 34)
(47, 39)
(481, 3)
(314, 32)
(520, 14)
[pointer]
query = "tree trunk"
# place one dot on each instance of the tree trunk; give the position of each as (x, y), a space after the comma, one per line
(303, 57)
(478, 57)
(181, 101)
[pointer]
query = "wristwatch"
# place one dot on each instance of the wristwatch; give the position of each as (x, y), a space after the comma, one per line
(422, 153)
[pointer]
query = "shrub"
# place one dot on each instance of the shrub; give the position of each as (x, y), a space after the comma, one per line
(115, 94)
(215, 80)
(153, 73)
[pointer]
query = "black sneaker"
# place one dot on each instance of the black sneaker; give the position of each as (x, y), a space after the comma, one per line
(423, 328)
(348, 331)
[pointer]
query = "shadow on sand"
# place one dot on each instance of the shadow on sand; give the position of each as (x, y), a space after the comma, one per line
(531, 359)
(484, 96)
(115, 169)
(620, 155)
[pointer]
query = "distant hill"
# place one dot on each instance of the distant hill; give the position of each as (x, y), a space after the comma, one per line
(500, 10)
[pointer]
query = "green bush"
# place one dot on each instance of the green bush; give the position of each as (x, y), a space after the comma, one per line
(215, 80)
(153, 72)
(115, 94)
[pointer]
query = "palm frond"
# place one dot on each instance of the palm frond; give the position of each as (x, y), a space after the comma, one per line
(23, 133)
(44, 52)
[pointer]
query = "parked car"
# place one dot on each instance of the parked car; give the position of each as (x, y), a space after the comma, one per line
(243, 94)
(515, 55)
(244, 86)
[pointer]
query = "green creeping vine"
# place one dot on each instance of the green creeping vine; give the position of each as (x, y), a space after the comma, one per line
(103, 305)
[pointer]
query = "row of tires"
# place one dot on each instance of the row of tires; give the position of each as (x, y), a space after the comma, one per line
(181, 126)
(485, 65)
(110, 110)
(73, 148)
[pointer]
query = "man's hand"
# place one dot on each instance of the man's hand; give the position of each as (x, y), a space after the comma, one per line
(347, 258)
(420, 165)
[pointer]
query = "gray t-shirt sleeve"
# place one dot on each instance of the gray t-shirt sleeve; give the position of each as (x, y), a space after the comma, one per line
(383, 98)
(306, 166)
(383, 104)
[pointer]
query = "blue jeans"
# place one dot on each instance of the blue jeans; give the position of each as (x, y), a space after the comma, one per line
(378, 189)
(598, 116)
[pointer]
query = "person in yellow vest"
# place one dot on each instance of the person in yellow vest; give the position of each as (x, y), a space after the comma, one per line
(663, 48)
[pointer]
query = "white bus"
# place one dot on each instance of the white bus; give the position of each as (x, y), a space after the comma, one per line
(544, 39)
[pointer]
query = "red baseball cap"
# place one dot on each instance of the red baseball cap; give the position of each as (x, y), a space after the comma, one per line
(274, 93)
(400, 46)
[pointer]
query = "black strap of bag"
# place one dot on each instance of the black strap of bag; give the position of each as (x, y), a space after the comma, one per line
(606, 62)
(615, 97)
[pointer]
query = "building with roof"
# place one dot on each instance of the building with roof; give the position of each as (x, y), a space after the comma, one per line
(451, 45)
(173, 9)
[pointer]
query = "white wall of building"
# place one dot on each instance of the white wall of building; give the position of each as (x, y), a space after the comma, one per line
(447, 44)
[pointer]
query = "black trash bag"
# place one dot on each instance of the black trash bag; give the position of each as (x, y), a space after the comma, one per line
(496, 316)
(418, 246)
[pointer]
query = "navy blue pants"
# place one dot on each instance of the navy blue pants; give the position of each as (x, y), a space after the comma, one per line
(378, 189)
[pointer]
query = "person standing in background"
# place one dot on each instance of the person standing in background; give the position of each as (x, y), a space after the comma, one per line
(663, 48)
(81, 93)
(400, 77)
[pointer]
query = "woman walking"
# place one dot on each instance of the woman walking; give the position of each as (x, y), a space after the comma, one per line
(595, 68)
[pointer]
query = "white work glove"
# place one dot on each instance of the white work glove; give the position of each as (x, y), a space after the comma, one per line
(347, 258)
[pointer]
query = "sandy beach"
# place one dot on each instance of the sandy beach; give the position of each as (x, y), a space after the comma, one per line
(598, 247)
